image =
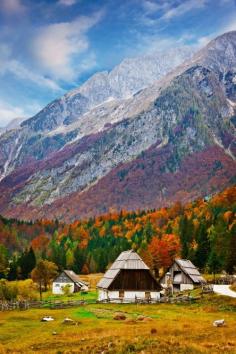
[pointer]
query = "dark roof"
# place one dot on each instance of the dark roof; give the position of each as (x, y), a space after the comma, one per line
(126, 260)
(190, 270)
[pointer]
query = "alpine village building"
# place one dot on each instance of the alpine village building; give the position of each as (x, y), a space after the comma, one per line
(68, 277)
(182, 275)
(129, 279)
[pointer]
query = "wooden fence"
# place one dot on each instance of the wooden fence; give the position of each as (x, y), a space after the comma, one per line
(25, 305)
(164, 299)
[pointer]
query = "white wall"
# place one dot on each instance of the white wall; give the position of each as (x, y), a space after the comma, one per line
(57, 287)
(128, 295)
(186, 287)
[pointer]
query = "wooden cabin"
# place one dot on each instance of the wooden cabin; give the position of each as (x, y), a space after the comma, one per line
(182, 275)
(129, 279)
(68, 277)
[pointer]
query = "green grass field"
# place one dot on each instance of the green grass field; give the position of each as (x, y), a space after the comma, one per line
(170, 328)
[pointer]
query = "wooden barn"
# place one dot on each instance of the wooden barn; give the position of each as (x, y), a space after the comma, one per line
(128, 279)
(68, 277)
(182, 275)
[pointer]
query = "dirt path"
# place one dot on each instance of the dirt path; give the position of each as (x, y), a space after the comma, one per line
(224, 290)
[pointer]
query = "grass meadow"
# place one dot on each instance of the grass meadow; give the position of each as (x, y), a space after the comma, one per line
(168, 328)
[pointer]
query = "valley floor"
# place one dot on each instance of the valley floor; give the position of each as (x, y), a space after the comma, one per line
(170, 328)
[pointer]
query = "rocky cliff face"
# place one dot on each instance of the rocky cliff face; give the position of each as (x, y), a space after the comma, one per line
(102, 100)
(173, 139)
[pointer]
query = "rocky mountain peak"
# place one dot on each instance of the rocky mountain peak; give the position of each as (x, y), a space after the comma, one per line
(148, 133)
(123, 81)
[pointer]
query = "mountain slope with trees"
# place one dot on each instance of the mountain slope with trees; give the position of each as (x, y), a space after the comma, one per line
(203, 231)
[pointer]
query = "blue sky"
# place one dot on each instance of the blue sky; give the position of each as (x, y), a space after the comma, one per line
(49, 47)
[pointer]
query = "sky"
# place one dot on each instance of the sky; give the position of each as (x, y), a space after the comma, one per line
(49, 47)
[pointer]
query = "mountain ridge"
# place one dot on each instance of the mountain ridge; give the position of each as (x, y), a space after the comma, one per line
(188, 111)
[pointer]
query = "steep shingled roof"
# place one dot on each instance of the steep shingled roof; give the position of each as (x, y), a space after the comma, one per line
(74, 277)
(126, 260)
(190, 270)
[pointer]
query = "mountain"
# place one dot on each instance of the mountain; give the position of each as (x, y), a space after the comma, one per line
(13, 124)
(142, 136)
(101, 100)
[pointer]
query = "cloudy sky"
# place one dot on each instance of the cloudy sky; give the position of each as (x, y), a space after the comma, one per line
(48, 47)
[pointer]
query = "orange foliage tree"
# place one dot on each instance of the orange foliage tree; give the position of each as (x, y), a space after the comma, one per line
(163, 251)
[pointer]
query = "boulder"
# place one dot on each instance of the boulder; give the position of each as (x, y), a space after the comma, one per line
(219, 323)
(69, 321)
(153, 331)
(130, 320)
(140, 318)
(47, 319)
(119, 317)
(147, 319)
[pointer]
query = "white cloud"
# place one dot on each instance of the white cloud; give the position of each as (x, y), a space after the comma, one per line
(22, 72)
(202, 41)
(56, 44)
(12, 7)
(13, 66)
(67, 2)
(226, 2)
(183, 8)
(152, 7)
(8, 112)
(230, 26)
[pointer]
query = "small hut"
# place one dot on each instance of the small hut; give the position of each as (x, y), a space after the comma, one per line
(70, 278)
(129, 279)
(182, 275)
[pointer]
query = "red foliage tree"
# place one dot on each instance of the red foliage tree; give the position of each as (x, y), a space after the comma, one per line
(163, 251)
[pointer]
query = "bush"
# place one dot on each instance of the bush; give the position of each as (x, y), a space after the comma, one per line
(17, 290)
(8, 290)
(66, 289)
(27, 290)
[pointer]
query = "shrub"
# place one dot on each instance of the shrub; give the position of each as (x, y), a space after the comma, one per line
(8, 290)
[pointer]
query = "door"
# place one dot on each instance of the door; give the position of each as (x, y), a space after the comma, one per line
(121, 294)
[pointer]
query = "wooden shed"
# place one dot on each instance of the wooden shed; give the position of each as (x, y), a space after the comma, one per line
(128, 279)
(183, 275)
(68, 277)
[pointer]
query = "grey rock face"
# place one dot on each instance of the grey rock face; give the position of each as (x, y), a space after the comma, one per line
(123, 81)
(99, 101)
(107, 122)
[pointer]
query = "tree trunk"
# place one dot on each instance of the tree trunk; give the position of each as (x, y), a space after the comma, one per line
(40, 290)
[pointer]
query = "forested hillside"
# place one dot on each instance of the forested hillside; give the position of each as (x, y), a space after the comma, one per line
(203, 231)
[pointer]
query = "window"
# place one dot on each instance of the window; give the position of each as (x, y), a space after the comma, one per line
(57, 285)
(147, 295)
(121, 294)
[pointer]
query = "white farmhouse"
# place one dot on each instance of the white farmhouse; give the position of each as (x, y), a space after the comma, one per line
(68, 277)
(129, 279)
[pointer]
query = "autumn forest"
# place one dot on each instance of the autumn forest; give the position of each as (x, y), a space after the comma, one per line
(203, 231)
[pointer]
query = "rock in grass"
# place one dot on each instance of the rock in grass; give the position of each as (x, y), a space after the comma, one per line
(119, 317)
(219, 323)
(47, 319)
(147, 319)
(153, 331)
(69, 321)
(130, 320)
(54, 333)
(140, 318)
